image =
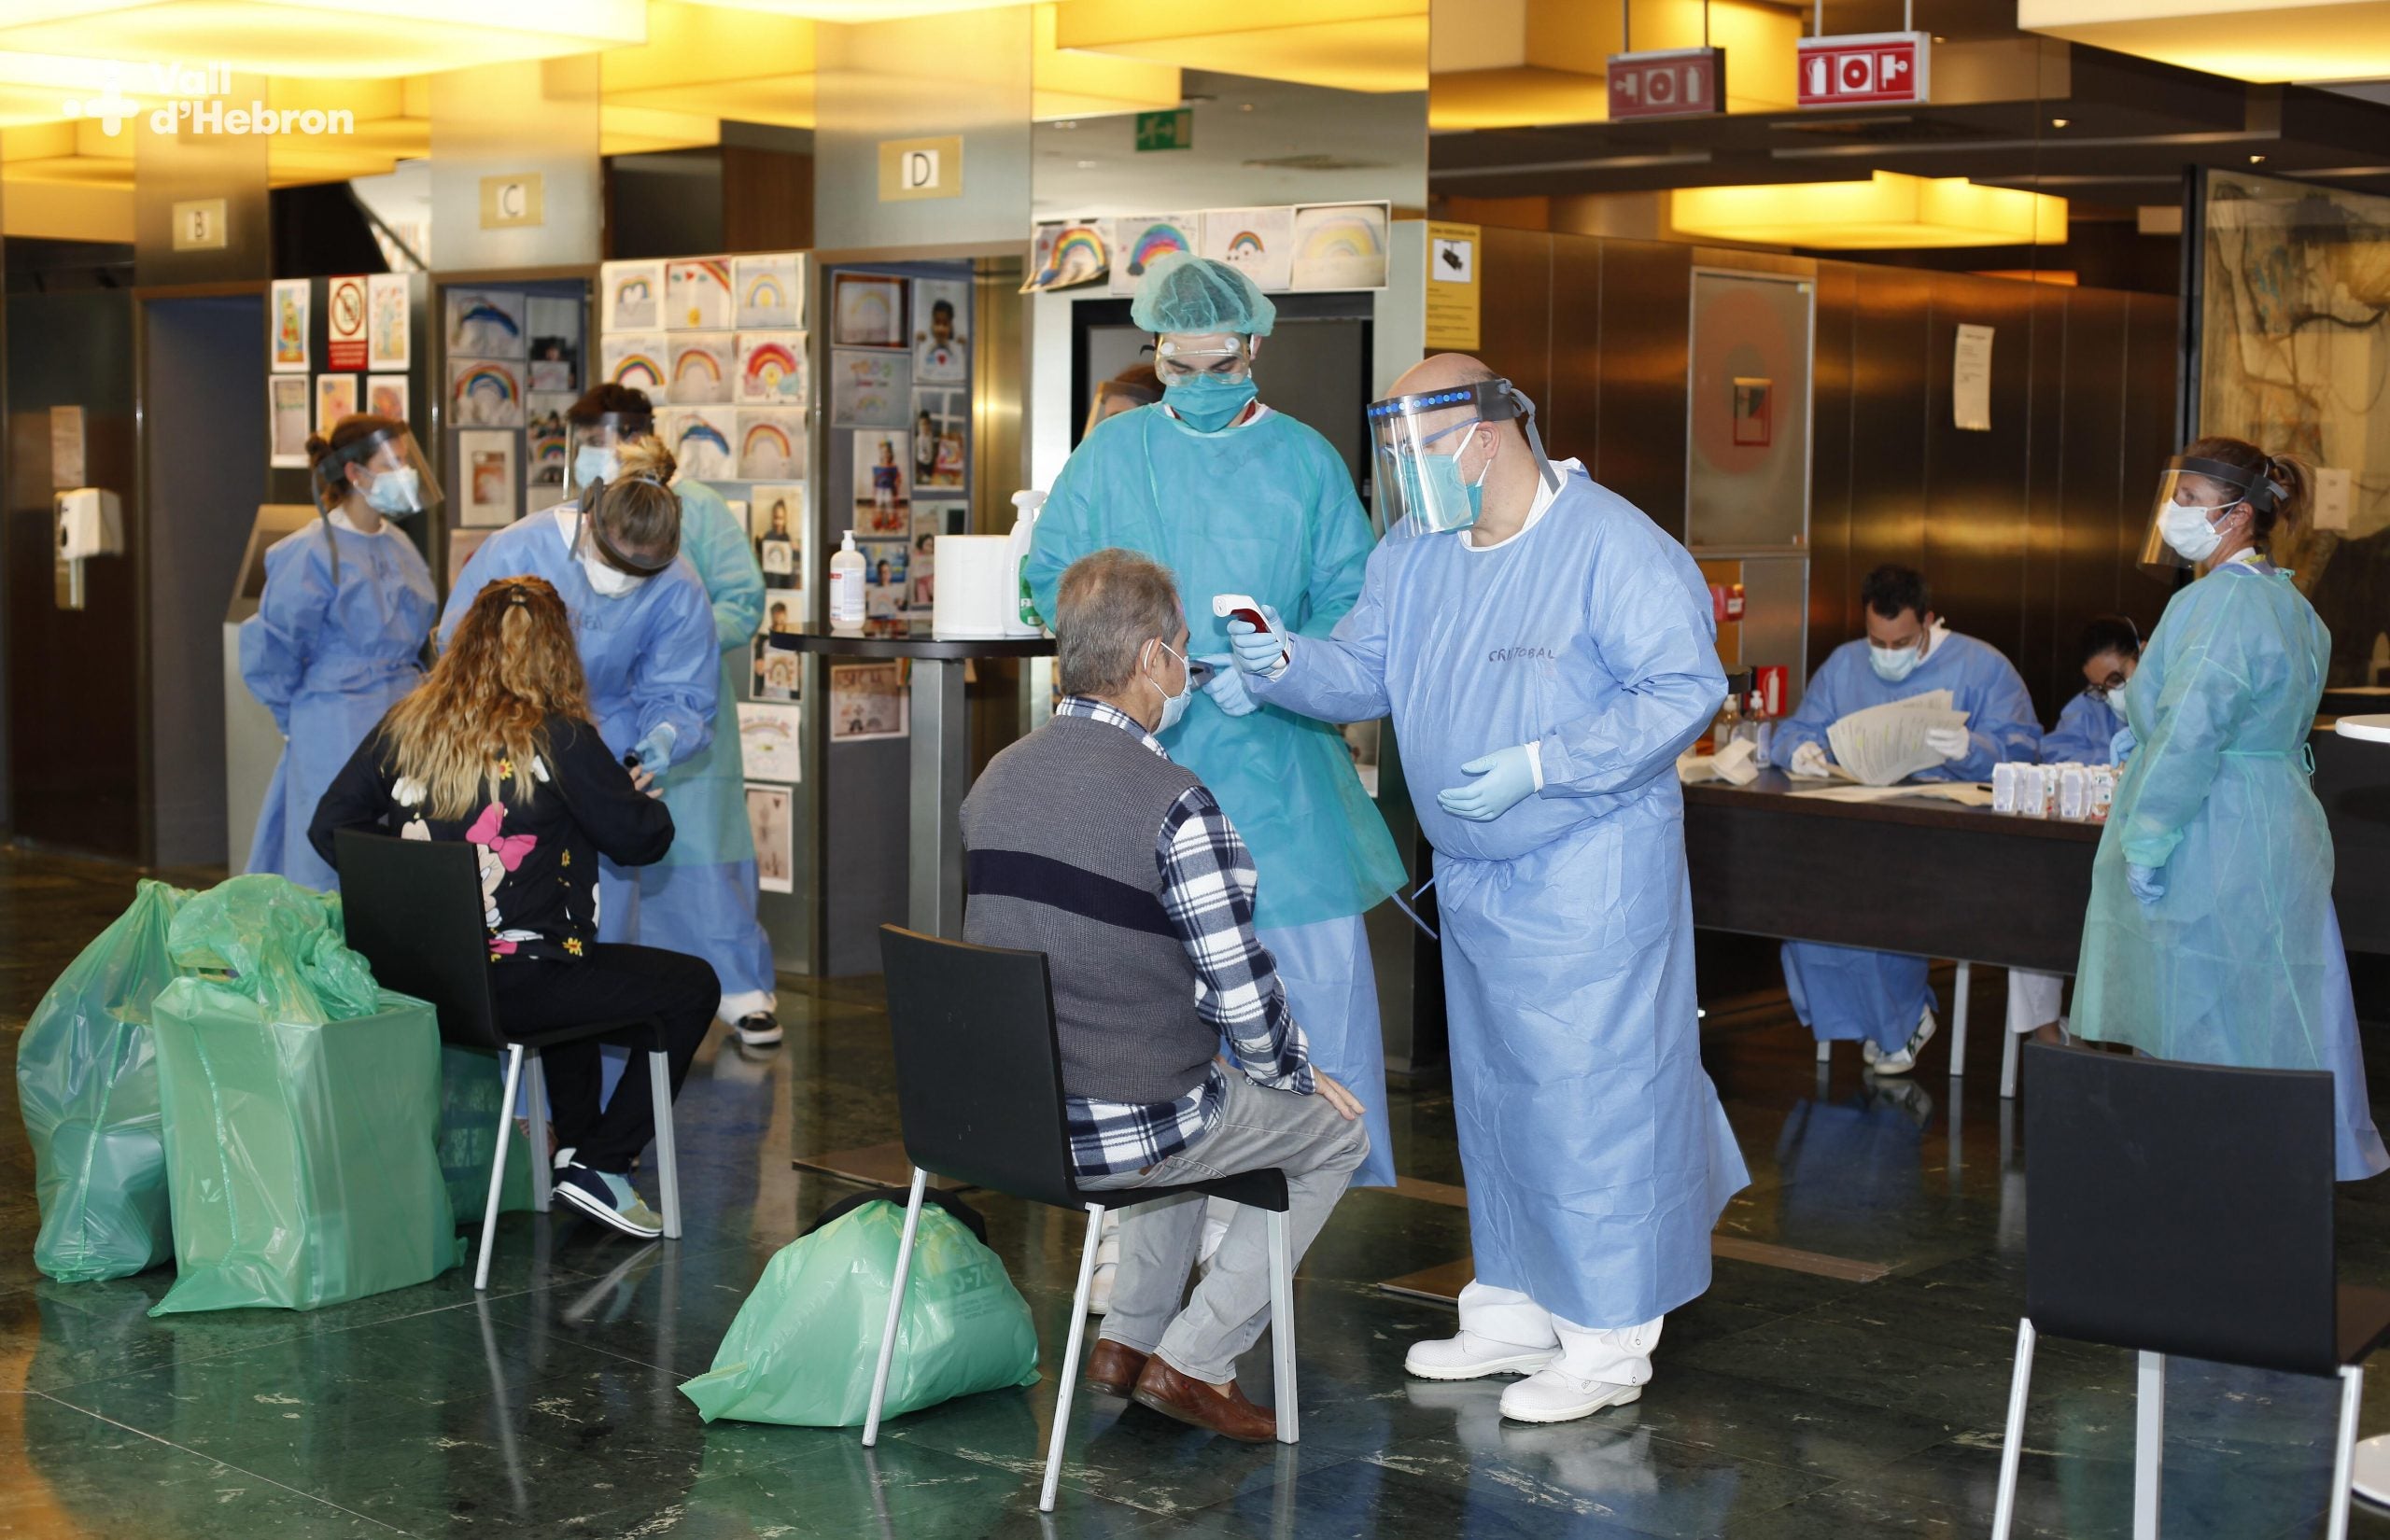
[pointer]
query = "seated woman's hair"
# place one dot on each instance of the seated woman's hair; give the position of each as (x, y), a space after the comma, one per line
(638, 512)
(2109, 634)
(511, 664)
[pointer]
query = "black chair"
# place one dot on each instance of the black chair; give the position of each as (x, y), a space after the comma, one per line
(979, 1091)
(413, 909)
(2184, 1210)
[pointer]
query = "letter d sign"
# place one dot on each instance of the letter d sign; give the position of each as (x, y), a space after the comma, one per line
(920, 168)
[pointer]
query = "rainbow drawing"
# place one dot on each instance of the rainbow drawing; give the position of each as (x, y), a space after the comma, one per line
(1156, 240)
(1245, 246)
(481, 310)
(698, 364)
(702, 449)
(637, 368)
(765, 443)
(634, 291)
(1340, 246)
(702, 434)
(1075, 257)
(768, 366)
(697, 292)
(1346, 237)
(763, 293)
(485, 393)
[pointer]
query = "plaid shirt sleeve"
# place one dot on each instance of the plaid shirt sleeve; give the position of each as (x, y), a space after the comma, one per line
(1207, 890)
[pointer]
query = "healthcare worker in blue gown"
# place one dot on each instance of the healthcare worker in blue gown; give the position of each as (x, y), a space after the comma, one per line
(2211, 936)
(1546, 652)
(2086, 733)
(1881, 998)
(340, 629)
(700, 897)
(640, 615)
(1233, 497)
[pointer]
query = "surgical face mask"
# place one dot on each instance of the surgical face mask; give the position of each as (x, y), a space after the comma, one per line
(611, 583)
(1437, 498)
(1174, 707)
(590, 463)
(395, 493)
(1894, 663)
(2185, 527)
(1209, 403)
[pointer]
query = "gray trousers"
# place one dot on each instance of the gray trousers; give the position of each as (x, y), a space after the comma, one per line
(1258, 1129)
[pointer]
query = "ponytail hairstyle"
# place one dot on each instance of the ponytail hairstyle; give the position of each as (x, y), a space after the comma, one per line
(635, 519)
(2281, 487)
(331, 480)
(511, 664)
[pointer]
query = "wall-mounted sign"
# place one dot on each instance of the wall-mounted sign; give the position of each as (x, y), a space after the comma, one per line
(920, 168)
(1170, 130)
(513, 199)
(344, 324)
(1678, 83)
(199, 225)
(1453, 305)
(1865, 69)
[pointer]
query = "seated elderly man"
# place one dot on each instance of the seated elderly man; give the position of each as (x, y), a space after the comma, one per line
(1086, 843)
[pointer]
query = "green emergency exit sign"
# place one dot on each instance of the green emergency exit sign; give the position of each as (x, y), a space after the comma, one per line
(1174, 129)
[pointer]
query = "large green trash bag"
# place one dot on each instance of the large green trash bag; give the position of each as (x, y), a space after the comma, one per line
(88, 1085)
(301, 1111)
(804, 1345)
(472, 1086)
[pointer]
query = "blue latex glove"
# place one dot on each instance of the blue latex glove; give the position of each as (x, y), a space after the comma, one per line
(655, 752)
(2144, 882)
(1506, 777)
(2120, 747)
(1261, 652)
(1227, 689)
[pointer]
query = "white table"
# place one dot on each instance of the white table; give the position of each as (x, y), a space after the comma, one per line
(2375, 729)
(2370, 1477)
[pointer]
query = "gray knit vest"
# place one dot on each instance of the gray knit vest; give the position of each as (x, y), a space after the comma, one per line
(1060, 832)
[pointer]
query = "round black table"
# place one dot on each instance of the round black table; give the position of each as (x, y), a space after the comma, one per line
(941, 753)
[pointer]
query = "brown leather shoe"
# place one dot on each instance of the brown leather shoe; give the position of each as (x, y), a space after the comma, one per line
(1196, 1404)
(1113, 1366)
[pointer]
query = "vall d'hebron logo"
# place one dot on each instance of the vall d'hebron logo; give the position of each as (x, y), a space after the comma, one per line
(196, 103)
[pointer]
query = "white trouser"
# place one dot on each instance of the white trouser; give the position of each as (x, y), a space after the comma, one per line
(1620, 1357)
(2033, 1000)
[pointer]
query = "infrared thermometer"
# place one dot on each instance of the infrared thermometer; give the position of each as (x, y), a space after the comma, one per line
(1240, 607)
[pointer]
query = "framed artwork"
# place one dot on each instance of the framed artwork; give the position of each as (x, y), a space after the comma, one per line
(634, 296)
(867, 309)
(941, 331)
(487, 460)
(289, 316)
(388, 321)
(335, 398)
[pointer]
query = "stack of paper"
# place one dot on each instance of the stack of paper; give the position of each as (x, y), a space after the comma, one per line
(1884, 744)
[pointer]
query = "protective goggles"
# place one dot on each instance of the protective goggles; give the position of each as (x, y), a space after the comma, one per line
(1225, 356)
(593, 530)
(387, 453)
(2211, 486)
(1418, 439)
(605, 430)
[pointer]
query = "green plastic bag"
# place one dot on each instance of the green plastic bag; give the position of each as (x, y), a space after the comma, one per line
(279, 944)
(472, 1084)
(804, 1345)
(88, 1085)
(302, 1157)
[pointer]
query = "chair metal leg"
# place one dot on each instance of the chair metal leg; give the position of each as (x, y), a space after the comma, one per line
(2012, 1446)
(536, 1102)
(497, 1164)
(1070, 1381)
(2149, 1445)
(1961, 992)
(2009, 1055)
(1282, 1325)
(2345, 1450)
(895, 1308)
(668, 1153)
(1825, 1050)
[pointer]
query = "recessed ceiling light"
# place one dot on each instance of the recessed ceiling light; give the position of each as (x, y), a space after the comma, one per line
(2256, 160)
(2058, 122)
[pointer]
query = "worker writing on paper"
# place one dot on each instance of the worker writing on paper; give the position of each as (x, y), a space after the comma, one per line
(1881, 998)
(1546, 652)
(1225, 493)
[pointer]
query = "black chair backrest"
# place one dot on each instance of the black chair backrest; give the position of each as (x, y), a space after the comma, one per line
(979, 1071)
(2182, 1209)
(413, 909)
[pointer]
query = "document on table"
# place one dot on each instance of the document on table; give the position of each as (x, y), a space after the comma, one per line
(1969, 793)
(1884, 744)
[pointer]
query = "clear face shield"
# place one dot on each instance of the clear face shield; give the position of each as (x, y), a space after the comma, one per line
(2194, 497)
(385, 471)
(597, 444)
(1432, 461)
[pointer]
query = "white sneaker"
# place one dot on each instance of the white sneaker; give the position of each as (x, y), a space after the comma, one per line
(1904, 1060)
(1556, 1395)
(1468, 1356)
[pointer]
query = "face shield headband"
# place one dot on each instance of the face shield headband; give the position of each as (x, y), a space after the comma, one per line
(2256, 487)
(594, 527)
(1417, 501)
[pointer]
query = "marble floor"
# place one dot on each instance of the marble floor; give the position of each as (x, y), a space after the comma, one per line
(1793, 1402)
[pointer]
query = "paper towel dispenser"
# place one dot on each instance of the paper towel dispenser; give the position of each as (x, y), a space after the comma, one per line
(90, 522)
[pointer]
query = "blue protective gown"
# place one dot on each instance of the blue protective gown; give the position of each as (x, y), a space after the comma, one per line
(328, 660)
(1266, 507)
(1596, 1153)
(2084, 729)
(700, 897)
(648, 655)
(1845, 992)
(2240, 960)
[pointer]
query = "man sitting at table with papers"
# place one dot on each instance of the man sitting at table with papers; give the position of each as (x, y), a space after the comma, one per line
(1881, 998)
